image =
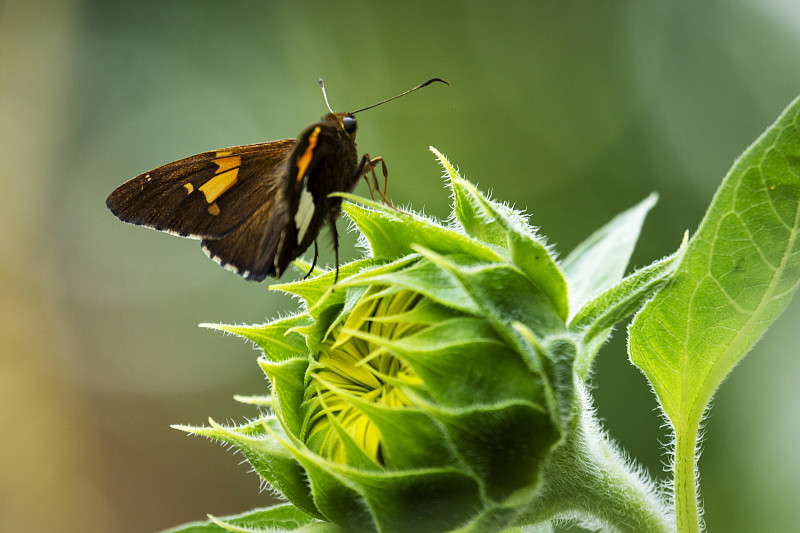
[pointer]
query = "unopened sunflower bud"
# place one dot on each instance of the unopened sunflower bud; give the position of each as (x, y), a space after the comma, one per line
(428, 389)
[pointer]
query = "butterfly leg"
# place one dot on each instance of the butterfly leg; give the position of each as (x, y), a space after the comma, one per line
(367, 166)
(374, 163)
(369, 186)
(314, 262)
(364, 167)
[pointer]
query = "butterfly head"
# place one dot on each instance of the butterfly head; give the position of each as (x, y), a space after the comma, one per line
(344, 121)
(347, 121)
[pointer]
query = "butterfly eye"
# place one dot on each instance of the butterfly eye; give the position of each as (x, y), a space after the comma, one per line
(349, 125)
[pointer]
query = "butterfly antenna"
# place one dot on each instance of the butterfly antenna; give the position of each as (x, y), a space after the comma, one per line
(324, 94)
(420, 86)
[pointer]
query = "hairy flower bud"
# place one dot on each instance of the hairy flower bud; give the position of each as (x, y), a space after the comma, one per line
(428, 389)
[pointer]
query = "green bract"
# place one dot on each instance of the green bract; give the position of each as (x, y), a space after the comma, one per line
(436, 385)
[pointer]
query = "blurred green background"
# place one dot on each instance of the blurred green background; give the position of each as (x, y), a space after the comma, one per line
(571, 110)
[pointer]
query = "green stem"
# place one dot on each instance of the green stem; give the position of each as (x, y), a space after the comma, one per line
(686, 508)
(587, 478)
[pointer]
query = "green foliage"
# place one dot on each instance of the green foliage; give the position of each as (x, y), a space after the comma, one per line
(738, 274)
(599, 262)
(440, 385)
(284, 517)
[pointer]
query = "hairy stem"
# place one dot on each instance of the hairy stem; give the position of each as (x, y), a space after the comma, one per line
(686, 507)
(590, 481)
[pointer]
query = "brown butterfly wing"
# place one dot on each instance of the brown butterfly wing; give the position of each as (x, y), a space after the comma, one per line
(232, 199)
(205, 196)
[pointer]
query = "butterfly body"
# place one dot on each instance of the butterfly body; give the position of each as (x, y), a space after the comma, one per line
(255, 208)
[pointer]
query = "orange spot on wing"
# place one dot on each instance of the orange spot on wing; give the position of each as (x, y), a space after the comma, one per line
(304, 160)
(213, 209)
(217, 185)
(227, 163)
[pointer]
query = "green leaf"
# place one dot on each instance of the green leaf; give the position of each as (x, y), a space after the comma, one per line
(555, 358)
(468, 208)
(409, 438)
(497, 517)
(355, 456)
(534, 260)
(738, 274)
(416, 501)
(597, 318)
(423, 277)
(503, 294)
(259, 400)
(315, 289)
(600, 261)
(392, 233)
(499, 225)
(354, 289)
(334, 496)
(268, 457)
(506, 445)
(511, 302)
(284, 517)
(286, 378)
(463, 362)
(276, 339)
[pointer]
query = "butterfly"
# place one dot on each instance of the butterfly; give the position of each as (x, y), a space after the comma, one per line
(258, 207)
